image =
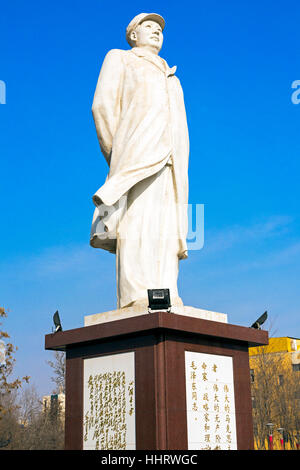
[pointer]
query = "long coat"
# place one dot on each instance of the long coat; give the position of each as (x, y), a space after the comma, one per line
(141, 124)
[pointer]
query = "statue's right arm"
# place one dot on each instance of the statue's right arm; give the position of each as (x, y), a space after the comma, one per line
(106, 106)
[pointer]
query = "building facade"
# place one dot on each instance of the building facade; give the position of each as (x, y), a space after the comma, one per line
(55, 405)
(275, 386)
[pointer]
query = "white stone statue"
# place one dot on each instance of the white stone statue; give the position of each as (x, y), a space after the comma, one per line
(141, 209)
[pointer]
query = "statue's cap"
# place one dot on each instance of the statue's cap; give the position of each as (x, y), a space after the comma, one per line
(138, 19)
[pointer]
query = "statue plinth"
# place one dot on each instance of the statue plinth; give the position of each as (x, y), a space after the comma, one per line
(158, 381)
(121, 314)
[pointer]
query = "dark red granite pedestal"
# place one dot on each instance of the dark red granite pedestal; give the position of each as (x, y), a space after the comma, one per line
(159, 341)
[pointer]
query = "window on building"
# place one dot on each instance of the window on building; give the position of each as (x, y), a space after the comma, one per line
(54, 408)
(252, 375)
(296, 367)
(280, 379)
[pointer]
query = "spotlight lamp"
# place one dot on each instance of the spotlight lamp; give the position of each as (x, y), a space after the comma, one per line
(159, 299)
(257, 324)
(57, 322)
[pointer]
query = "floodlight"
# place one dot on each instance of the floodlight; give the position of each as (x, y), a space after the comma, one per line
(159, 299)
(57, 322)
(257, 324)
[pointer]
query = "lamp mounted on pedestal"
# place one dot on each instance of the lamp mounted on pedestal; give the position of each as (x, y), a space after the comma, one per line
(159, 299)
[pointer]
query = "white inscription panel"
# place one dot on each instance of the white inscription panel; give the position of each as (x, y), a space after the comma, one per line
(109, 402)
(210, 402)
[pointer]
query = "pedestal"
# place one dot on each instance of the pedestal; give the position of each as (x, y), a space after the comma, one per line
(158, 381)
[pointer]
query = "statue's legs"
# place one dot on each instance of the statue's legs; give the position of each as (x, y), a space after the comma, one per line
(147, 244)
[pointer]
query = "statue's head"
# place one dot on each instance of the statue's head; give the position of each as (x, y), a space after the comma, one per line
(146, 30)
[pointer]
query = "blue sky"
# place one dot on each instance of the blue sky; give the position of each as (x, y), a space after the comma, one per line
(236, 62)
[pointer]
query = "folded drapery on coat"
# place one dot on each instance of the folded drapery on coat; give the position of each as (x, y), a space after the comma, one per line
(140, 120)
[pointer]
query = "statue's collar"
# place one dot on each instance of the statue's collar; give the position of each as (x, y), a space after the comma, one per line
(154, 59)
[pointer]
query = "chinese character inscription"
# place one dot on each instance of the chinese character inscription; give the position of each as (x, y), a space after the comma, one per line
(210, 401)
(109, 403)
